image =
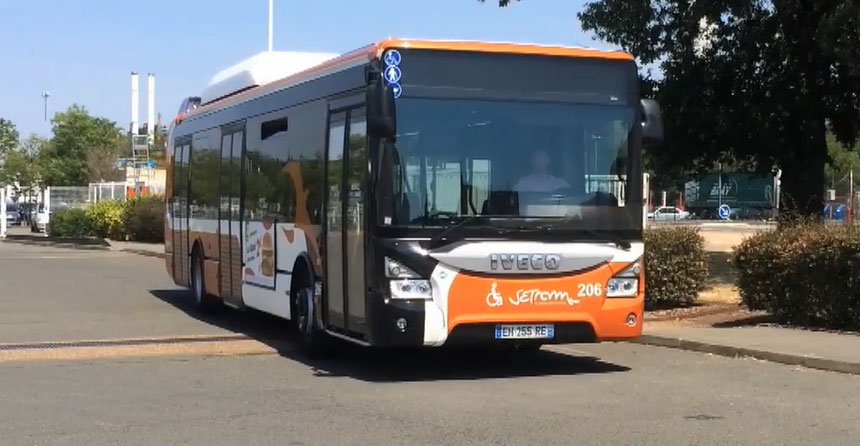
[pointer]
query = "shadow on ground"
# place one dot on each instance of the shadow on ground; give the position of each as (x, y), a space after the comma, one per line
(388, 365)
(750, 321)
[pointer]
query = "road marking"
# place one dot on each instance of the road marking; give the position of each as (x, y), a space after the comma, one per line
(202, 345)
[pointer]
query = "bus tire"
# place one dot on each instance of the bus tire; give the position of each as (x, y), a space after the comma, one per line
(201, 301)
(313, 339)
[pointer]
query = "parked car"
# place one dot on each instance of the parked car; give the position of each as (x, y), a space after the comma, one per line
(27, 211)
(13, 215)
(39, 223)
(668, 213)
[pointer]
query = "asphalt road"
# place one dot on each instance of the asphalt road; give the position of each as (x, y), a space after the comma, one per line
(608, 394)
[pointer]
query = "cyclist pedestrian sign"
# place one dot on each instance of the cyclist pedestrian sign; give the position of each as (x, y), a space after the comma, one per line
(724, 212)
(392, 74)
(392, 57)
(397, 90)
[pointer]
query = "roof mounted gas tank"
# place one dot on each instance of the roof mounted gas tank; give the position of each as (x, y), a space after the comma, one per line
(258, 70)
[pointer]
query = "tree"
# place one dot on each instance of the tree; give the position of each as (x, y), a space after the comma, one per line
(158, 149)
(8, 136)
(84, 149)
(19, 168)
(20, 172)
(760, 80)
(842, 162)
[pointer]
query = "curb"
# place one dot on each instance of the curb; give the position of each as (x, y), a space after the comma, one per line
(58, 243)
(741, 352)
(81, 244)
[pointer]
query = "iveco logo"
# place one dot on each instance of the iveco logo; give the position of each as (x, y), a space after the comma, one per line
(525, 262)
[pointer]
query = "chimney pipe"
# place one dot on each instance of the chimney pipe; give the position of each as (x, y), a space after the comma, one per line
(135, 106)
(150, 104)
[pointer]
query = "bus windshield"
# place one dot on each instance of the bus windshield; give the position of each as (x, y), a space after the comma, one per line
(532, 162)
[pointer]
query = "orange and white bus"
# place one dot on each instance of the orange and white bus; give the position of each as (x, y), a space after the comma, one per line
(418, 193)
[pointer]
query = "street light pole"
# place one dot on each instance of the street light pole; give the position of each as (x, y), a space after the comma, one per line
(271, 10)
(46, 95)
(720, 184)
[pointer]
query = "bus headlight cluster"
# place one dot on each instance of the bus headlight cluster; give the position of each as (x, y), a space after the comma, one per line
(405, 283)
(411, 289)
(626, 282)
(622, 287)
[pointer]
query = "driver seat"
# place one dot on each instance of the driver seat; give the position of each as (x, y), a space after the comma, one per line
(503, 202)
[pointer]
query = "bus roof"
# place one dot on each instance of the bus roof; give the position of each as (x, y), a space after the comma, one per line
(263, 74)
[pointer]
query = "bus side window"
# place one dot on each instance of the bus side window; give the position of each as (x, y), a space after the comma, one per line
(269, 190)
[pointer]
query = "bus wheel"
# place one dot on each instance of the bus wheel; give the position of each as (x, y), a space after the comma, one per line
(201, 300)
(314, 341)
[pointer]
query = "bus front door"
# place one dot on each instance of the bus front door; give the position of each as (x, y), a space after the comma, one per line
(345, 218)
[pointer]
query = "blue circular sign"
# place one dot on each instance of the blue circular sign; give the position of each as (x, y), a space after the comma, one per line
(392, 74)
(724, 212)
(397, 90)
(392, 57)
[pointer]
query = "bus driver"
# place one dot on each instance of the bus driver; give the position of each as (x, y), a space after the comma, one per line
(540, 179)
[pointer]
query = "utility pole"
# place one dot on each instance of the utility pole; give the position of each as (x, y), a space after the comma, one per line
(851, 195)
(271, 21)
(45, 96)
(3, 211)
(720, 184)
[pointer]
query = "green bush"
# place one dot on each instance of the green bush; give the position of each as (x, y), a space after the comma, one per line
(71, 223)
(140, 219)
(107, 219)
(675, 266)
(144, 220)
(805, 275)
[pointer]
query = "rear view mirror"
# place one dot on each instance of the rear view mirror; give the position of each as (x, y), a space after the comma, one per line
(381, 115)
(652, 122)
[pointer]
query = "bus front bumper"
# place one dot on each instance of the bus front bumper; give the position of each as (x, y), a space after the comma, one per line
(420, 323)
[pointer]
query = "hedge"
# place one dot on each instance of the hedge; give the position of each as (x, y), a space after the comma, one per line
(72, 223)
(676, 267)
(140, 219)
(144, 220)
(807, 275)
(107, 219)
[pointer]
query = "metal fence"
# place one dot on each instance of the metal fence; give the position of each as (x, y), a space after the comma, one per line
(842, 198)
(107, 191)
(121, 191)
(67, 197)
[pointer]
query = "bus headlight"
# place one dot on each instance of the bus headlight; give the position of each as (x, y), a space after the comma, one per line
(411, 289)
(622, 287)
(626, 282)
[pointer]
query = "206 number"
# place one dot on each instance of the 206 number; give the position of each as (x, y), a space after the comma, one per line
(589, 290)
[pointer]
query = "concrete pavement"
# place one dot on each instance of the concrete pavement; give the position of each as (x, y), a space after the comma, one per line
(146, 249)
(611, 394)
(157, 373)
(51, 294)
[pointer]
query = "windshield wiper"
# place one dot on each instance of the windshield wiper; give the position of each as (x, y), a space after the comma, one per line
(606, 235)
(444, 236)
(598, 235)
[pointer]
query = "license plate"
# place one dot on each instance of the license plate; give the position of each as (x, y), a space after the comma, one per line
(539, 331)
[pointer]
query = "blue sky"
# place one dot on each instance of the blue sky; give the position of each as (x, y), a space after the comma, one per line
(83, 51)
